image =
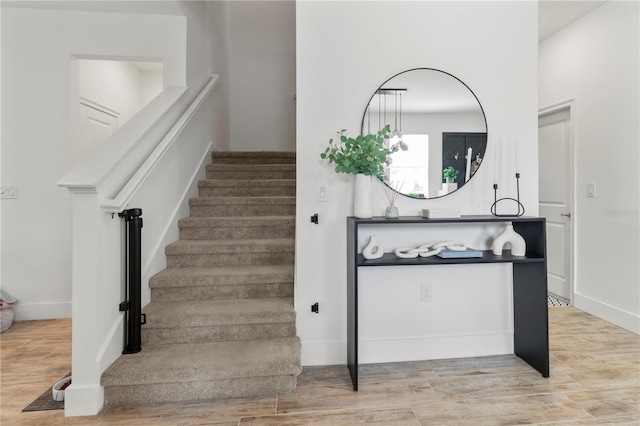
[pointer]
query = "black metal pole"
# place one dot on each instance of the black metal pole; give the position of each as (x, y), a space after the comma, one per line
(134, 256)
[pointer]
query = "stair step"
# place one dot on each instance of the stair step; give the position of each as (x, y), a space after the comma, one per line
(215, 228)
(200, 371)
(253, 157)
(247, 188)
(218, 320)
(242, 206)
(223, 282)
(205, 313)
(231, 252)
(251, 171)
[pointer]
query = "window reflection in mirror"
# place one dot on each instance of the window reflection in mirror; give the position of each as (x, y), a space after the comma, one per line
(408, 172)
(437, 105)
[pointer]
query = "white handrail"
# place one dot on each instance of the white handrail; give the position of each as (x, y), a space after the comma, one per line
(117, 204)
(115, 161)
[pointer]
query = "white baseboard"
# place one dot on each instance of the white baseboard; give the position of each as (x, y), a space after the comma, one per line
(409, 349)
(626, 320)
(436, 347)
(38, 311)
(324, 353)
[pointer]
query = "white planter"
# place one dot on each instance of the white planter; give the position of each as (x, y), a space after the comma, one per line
(362, 208)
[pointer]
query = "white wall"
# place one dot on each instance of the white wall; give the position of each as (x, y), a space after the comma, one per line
(342, 58)
(219, 46)
(595, 64)
(118, 85)
(37, 141)
(263, 82)
(150, 85)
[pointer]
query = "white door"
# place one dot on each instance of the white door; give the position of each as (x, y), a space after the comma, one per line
(555, 195)
(97, 125)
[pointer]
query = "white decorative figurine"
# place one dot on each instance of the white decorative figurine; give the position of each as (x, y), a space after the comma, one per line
(511, 237)
(372, 250)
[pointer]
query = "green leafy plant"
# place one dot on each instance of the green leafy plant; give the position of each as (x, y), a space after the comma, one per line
(366, 154)
(450, 172)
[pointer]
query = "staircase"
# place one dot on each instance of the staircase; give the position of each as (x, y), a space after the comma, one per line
(221, 322)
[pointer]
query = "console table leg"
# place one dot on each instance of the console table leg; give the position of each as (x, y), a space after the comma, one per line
(352, 303)
(531, 314)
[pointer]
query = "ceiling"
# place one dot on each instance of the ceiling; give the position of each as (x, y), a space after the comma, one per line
(554, 15)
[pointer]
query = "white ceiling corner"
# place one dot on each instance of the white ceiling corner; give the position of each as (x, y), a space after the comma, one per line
(553, 15)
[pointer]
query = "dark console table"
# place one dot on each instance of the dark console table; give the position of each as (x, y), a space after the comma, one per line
(530, 311)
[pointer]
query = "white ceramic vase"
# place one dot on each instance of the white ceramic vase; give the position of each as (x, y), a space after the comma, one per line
(372, 250)
(515, 241)
(362, 208)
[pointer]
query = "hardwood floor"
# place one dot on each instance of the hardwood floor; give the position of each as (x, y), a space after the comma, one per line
(595, 380)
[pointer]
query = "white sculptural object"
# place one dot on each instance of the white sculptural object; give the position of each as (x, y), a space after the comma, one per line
(372, 250)
(511, 237)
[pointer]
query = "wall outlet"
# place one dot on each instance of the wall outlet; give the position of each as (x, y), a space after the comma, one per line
(426, 293)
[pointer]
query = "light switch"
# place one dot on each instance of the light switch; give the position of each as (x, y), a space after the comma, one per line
(591, 190)
(322, 192)
(8, 192)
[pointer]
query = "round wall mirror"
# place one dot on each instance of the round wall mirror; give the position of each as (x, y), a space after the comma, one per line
(441, 121)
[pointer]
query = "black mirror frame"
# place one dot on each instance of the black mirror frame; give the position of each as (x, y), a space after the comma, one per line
(484, 116)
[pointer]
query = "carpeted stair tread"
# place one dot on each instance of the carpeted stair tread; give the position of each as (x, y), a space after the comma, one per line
(225, 183)
(253, 157)
(251, 154)
(268, 245)
(203, 313)
(222, 275)
(241, 201)
(236, 228)
(252, 167)
(242, 206)
(236, 222)
(246, 187)
(197, 362)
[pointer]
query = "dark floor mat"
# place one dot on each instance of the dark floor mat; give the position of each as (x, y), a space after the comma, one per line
(45, 401)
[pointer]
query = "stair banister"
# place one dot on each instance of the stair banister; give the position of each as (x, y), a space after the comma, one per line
(119, 202)
(108, 168)
(132, 166)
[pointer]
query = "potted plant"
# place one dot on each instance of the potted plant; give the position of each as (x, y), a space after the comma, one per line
(450, 174)
(364, 156)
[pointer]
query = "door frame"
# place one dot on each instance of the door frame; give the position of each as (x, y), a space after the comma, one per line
(570, 106)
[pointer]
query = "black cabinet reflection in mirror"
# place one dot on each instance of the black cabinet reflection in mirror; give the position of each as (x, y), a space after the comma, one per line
(441, 120)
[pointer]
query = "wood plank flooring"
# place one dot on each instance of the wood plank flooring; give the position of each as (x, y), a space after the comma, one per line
(595, 380)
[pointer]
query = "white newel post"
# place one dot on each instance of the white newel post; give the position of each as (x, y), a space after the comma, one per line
(96, 290)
